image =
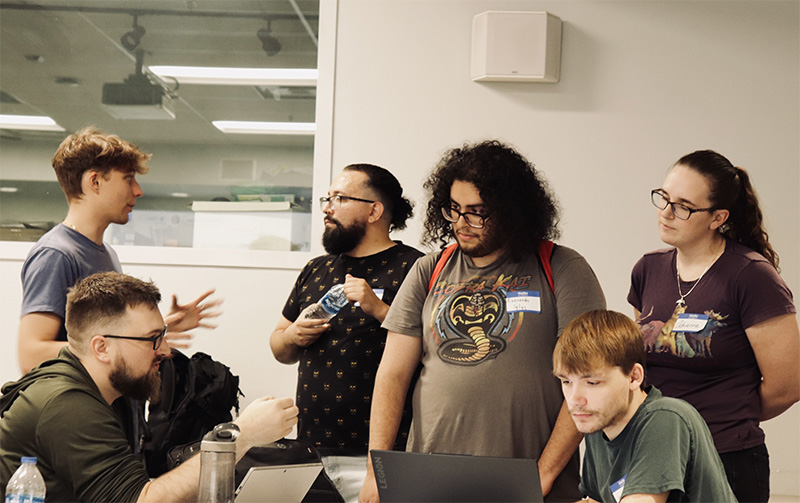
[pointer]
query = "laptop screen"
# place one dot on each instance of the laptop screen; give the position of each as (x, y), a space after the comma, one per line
(416, 477)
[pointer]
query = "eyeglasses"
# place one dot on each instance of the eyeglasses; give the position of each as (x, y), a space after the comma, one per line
(475, 220)
(156, 339)
(336, 201)
(661, 201)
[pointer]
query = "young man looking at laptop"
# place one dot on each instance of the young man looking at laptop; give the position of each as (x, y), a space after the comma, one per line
(640, 446)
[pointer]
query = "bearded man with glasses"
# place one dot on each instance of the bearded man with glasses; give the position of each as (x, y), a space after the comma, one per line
(68, 411)
(338, 358)
(485, 328)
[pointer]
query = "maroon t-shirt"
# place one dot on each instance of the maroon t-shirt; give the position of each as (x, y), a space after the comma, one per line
(710, 364)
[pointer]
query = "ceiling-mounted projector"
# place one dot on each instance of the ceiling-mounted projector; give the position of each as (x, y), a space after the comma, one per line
(137, 98)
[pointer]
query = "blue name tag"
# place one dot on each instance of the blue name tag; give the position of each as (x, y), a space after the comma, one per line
(617, 487)
(690, 323)
(523, 301)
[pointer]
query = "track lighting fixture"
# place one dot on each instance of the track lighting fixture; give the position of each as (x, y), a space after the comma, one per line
(130, 40)
(270, 44)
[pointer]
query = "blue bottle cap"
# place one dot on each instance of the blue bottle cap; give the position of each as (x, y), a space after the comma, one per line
(28, 459)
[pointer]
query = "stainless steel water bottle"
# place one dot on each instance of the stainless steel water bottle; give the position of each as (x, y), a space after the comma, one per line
(218, 464)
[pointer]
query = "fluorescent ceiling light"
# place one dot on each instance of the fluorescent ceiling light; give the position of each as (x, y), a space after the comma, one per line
(9, 189)
(238, 76)
(278, 128)
(29, 122)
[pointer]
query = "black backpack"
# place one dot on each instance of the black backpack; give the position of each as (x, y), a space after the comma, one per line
(197, 393)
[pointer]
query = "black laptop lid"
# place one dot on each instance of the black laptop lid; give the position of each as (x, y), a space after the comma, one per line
(410, 477)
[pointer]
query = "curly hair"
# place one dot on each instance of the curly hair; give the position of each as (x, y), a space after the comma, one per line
(731, 190)
(522, 209)
(90, 149)
(389, 191)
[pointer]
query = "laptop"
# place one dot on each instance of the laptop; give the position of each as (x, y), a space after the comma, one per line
(421, 478)
(281, 472)
(277, 484)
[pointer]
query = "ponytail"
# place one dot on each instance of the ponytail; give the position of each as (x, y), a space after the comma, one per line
(746, 221)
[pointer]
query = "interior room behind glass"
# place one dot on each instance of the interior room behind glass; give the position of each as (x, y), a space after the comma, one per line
(207, 188)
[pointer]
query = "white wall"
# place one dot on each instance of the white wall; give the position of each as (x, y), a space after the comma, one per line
(642, 83)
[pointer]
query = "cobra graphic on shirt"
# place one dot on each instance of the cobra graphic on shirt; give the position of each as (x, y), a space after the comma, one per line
(659, 336)
(471, 322)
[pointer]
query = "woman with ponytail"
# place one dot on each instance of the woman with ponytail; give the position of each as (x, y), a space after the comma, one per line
(718, 322)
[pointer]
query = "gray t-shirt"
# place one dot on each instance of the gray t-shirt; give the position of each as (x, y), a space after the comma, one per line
(55, 263)
(488, 334)
(666, 446)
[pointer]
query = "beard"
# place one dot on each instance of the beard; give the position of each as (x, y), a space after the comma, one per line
(145, 387)
(340, 239)
(488, 243)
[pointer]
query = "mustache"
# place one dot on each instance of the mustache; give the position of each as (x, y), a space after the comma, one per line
(333, 221)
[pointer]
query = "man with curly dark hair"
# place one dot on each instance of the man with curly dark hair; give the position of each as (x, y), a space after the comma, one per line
(338, 358)
(485, 326)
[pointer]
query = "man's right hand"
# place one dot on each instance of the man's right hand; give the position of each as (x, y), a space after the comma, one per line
(308, 330)
(369, 491)
(266, 420)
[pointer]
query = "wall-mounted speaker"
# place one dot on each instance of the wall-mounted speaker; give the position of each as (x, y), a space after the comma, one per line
(516, 47)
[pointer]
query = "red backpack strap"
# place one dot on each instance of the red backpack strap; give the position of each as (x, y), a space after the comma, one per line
(441, 263)
(545, 252)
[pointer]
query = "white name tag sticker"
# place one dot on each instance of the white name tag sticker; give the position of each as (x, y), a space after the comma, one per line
(691, 323)
(617, 487)
(378, 293)
(523, 301)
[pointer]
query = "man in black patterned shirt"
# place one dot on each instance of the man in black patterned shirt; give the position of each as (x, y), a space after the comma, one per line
(338, 359)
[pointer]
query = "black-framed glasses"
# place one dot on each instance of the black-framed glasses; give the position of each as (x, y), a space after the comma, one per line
(156, 339)
(336, 201)
(661, 200)
(475, 220)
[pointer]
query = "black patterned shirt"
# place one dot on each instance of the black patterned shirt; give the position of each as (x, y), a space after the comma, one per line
(336, 373)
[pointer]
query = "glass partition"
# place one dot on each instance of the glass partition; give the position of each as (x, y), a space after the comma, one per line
(122, 67)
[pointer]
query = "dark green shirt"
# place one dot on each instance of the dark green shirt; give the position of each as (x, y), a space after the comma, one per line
(666, 446)
(57, 414)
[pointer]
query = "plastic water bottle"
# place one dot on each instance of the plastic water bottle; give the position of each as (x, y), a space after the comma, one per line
(27, 484)
(329, 304)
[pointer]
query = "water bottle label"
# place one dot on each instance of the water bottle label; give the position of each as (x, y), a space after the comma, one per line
(329, 304)
(23, 498)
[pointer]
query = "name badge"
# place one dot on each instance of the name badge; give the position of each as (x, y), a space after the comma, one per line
(691, 323)
(523, 301)
(617, 487)
(378, 293)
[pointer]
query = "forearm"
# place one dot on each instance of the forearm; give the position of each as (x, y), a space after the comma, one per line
(563, 442)
(284, 350)
(176, 485)
(775, 401)
(776, 344)
(380, 311)
(385, 415)
(37, 339)
(33, 353)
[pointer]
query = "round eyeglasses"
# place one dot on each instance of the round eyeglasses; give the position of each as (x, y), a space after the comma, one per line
(336, 201)
(474, 220)
(661, 200)
(156, 339)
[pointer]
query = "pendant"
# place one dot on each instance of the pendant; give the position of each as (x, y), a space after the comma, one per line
(680, 302)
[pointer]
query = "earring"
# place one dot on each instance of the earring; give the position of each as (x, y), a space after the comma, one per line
(724, 228)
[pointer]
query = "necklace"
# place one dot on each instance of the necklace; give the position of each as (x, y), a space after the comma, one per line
(71, 226)
(680, 301)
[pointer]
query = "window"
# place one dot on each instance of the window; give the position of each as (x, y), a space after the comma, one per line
(210, 187)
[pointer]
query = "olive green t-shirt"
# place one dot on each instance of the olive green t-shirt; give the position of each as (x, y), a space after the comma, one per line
(61, 418)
